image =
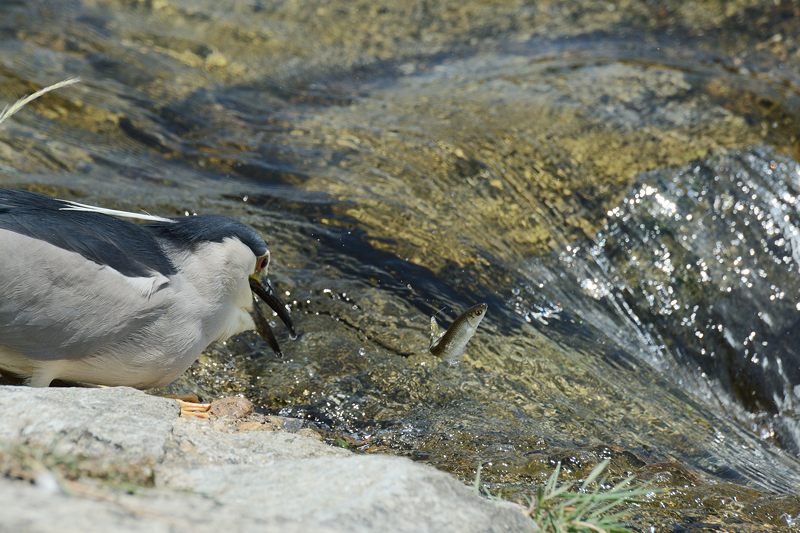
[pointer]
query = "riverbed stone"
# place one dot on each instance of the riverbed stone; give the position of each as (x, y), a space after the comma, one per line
(119, 424)
(235, 407)
(205, 476)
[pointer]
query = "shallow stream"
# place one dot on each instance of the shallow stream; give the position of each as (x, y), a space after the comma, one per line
(618, 181)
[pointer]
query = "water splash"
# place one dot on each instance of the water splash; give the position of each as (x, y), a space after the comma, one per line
(701, 266)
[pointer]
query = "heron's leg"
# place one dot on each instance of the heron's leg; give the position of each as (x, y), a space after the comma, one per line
(193, 409)
(190, 405)
(40, 380)
(190, 397)
(43, 375)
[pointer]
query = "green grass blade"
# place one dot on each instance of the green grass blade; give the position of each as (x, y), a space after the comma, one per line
(551, 482)
(477, 483)
(595, 473)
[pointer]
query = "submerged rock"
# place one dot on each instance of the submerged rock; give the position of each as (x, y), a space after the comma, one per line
(204, 476)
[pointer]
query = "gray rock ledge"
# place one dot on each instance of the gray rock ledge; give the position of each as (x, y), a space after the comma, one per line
(116, 459)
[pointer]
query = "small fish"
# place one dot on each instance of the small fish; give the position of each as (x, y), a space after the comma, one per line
(262, 326)
(451, 343)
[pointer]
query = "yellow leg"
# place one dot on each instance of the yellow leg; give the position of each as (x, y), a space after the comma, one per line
(191, 397)
(194, 410)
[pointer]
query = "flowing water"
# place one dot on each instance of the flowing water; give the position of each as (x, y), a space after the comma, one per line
(618, 181)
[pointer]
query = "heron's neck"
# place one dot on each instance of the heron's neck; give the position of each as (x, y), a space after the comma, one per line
(218, 273)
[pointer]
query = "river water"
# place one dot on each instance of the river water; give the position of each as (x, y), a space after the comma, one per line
(618, 181)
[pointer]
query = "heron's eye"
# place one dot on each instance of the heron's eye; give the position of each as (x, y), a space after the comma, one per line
(261, 262)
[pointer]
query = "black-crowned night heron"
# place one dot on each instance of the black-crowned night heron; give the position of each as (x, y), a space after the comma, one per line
(87, 296)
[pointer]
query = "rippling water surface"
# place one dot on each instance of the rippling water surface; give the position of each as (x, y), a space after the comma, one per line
(618, 182)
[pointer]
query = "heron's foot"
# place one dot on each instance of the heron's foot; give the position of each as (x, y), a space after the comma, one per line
(194, 410)
(191, 397)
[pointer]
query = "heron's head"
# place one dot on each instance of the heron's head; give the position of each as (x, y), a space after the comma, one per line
(232, 256)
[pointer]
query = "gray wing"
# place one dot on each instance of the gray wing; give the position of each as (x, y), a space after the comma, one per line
(57, 304)
(130, 249)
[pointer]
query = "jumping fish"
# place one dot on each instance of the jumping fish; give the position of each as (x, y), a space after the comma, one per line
(451, 343)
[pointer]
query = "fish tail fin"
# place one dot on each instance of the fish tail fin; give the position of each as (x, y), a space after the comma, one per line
(436, 332)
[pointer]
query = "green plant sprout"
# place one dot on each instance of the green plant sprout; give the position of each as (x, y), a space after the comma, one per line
(562, 509)
(559, 508)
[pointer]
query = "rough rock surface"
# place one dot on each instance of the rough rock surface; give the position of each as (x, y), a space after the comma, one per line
(118, 459)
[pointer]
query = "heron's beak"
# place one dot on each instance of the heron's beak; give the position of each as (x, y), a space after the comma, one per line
(262, 288)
